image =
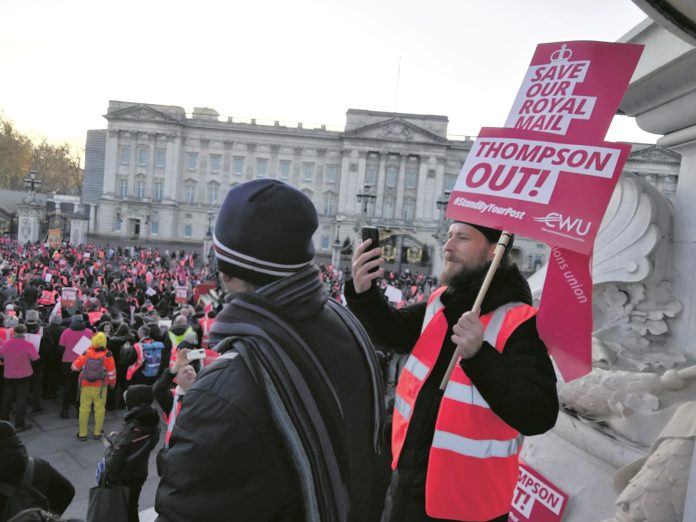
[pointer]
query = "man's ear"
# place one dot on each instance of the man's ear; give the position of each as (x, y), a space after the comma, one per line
(491, 251)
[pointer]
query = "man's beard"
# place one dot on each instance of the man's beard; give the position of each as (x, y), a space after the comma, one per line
(465, 275)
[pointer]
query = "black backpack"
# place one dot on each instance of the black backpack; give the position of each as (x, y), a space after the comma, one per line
(26, 496)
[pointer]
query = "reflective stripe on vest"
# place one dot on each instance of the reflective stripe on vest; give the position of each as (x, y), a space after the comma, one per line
(138, 361)
(479, 449)
(176, 406)
(473, 466)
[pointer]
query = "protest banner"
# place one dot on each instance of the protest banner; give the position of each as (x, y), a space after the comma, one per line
(537, 185)
(68, 296)
(55, 238)
(549, 176)
(536, 499)
(181, 295)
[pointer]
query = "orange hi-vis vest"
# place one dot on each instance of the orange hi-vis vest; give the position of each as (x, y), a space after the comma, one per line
(473, 464)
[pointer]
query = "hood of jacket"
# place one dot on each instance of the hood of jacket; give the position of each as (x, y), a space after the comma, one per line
(145, 415)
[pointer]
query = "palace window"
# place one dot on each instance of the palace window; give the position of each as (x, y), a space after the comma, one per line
(331, 173)
(124, 155)
(142, 157)
(284, 169)
(261, 167)
(215, 163)
(160, 158)
(191, 160)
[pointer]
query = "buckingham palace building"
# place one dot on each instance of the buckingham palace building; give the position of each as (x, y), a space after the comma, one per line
(158, 173)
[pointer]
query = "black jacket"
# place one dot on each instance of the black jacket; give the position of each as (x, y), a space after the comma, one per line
(127, 457)
(49, 481)
(227, 460)
(519, 384)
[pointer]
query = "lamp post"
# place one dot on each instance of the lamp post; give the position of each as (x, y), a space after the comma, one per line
(336, 254)
(440, 234)
(208, 241)
(210, 219)
(31, 183)
(365, 197)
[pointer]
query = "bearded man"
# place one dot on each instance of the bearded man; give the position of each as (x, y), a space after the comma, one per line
(455, 453)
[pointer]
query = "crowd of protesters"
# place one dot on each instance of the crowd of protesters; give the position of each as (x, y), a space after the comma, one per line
(86, 325)
(83, 325)
(402, 288)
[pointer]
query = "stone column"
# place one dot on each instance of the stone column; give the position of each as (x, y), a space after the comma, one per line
(78, 230)
(29, 226)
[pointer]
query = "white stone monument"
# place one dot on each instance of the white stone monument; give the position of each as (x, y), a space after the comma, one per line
(623, 445)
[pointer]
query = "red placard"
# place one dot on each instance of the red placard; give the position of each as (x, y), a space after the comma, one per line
(574, 88)
(536, 499)
(68, 296)
(538, 185)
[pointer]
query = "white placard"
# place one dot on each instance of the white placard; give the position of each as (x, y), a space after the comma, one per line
(393, 294)
(82, 345)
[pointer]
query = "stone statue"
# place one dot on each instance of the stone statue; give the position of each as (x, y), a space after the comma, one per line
(641, 389)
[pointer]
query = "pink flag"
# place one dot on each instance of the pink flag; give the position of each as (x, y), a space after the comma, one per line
(564, 320)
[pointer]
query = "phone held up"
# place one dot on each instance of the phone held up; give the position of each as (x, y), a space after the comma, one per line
(373, 234)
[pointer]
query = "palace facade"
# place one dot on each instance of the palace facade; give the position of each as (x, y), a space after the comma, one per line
(157, 173)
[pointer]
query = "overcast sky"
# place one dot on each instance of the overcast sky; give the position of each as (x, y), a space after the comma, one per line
(301, 60)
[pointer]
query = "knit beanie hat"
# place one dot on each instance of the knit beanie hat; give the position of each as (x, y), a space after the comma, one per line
(138, 395)
(491, 234)
(56, 319)
(99, 340)
(32, 317)
(264, 230)
(77, 323)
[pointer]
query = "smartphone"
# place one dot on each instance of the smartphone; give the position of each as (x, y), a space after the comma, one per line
(196, 354)
(373, 234)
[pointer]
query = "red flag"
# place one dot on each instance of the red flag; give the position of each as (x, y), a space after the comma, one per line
(567, 301)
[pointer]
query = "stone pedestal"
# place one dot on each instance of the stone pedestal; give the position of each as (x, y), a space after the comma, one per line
(581, 461)
(29, 223)
(78, 230)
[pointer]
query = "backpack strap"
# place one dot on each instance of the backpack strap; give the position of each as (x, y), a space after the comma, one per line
(28, 477)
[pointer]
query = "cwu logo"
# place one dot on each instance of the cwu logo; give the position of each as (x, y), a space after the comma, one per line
(556, 220)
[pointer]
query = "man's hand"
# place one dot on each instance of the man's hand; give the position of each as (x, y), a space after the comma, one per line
(468, 334)
(181, 360)
(362, 280)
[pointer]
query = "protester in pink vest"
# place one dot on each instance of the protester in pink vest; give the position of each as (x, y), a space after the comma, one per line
(17, 355)
(68, 340)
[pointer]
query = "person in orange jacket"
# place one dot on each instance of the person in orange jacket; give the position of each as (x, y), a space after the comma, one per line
(98, 370)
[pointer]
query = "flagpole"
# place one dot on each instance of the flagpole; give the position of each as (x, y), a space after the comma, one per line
(497, 257)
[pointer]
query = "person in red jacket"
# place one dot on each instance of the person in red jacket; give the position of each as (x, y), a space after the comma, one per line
(98, 370)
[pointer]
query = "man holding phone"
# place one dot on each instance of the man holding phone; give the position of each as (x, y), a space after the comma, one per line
(456, 453)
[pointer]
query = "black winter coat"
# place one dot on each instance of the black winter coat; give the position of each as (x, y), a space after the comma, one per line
(227, 460)
(127, 456)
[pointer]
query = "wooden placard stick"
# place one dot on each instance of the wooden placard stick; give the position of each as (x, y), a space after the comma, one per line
(499, 251)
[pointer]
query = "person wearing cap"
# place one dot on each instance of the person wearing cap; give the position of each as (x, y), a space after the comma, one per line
(127, 456)
(57, 489)
(68, 340)
(93, 389)
(286, 424)
(456, 454)
(17, 355)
